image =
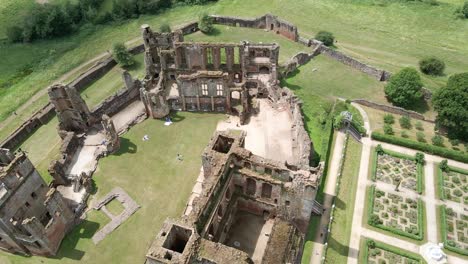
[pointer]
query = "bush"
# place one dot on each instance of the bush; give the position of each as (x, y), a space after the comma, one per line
(435, 150)
(326, 37)
(419, 126)
(404, 134)
(454, 142)
(443, 165)
(419, 158)
(404, 87)
(420, 136)
(432, 66)
(121, 55)
(371, 243)
(437, 140)
(462, 12)
(379, 150)
(450, 103)
(205, 23)
(389, 119)
(375, 220)
(405, 122)
(14, 33)
(388, 129)
(165, 28)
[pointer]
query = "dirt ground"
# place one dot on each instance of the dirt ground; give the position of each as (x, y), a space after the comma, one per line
(268, 133)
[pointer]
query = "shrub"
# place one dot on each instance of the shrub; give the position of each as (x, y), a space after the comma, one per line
(121, 55)
(443, 165)
(205, 23)
(405, 122)
(404, 134)
(375, 220)
(420, 136)
(419, 158)
(450, 103)
(440, 151)
(389, 119)
(432, 66)
(462, 12)
(404, 87)
(454, 142)
(419, 126)
(326, 37)
(437, 140)
(371, 243)
(379, 150)
(165, 28)
(458, 193)
(388, 129)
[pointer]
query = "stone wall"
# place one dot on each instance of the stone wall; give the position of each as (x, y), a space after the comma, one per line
(392, 109)
(57, 168)
(295, 62)
(116, 102)
(189, 28)
(94, 73)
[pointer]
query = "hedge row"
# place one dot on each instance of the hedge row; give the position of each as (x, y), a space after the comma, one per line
(431, 149)
(395, 250)
(419, 174)
(444, 234)
(440, 180)
(421, 225)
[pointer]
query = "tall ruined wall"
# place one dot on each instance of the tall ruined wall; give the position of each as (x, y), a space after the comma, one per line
(58, 168)
(116, 102)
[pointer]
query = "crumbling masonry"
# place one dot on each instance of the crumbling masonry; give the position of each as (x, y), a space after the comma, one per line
(33, 217)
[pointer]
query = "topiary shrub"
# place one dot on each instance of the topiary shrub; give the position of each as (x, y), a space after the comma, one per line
(432, 66)
(404, 134)
(419, 158)
(437, 140)
(379, 150)
(388, 130)
(404, 87)
(164, 27)
(205, 23)
(389, 119)
(375, 220)
(371, 243)
(443, 165)
(326, 37)
(419, 126)
(121, 55)
(405, 122)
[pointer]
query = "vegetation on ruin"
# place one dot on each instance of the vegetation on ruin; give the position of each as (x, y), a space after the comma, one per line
(205, 23)
(165, 27)
(326, 37)
(344, 209)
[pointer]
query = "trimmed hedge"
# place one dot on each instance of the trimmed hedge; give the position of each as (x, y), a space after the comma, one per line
(443, 221)
(421, 222)
(440, 179)
(440, 151)
(395, 250)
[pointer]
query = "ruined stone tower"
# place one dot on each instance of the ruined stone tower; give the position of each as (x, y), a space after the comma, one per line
(71, 109)
(112, 138)
(33, 217)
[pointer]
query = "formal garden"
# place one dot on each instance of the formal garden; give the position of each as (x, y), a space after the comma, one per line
(398, 169)
(379, 253)
(396, 214)
(454, 230)
(452, 183)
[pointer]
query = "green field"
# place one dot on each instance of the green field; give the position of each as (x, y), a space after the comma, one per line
(381, 33)
(337, 250)
(151, 186)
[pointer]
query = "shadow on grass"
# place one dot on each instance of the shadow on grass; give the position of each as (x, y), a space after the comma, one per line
(176, 117)
(85, 230)
(341, 249)
(421, 107)
(126, 146)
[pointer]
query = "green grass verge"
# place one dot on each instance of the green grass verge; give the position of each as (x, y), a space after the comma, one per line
(387, 247)
(151, 185)
(421, 218)
(115, 207)
(103, 87)
(337, 250)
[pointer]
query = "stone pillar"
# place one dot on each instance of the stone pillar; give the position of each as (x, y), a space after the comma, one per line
(198, 102)
(216, 57)
(184, 104)
(128, 80)
(204, 59)
(212, 104)
(178, 58)
(229, 58)
(112, 138)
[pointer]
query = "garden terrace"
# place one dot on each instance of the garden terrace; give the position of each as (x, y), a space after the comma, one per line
(454, 230)
(453, 185)
(379, 253)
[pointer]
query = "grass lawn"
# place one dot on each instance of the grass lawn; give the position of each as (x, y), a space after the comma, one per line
(137, 70)
(337, 250)
(115, 207)
(150, 173)
(102, 88)
(376, 119)
(42, 147)
(236, 34)
(390, 35)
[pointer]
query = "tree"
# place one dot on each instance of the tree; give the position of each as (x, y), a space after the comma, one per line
(451, 105)
(404, 88)
(432, 66)
(443, 165)
(205, 23)
(121, 55)
(388, 129)
(379, 150)
(419, 158)
(389, 119)
(437, 140)
(165, 27)
(326, 37)
(405, 122)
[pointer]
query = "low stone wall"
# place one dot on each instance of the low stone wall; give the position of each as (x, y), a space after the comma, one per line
(137, 49)
(188, 28)
(392, 109)
(295, 62)
(116, 102)
(39, 118)
(94, 73)
(380, 75)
